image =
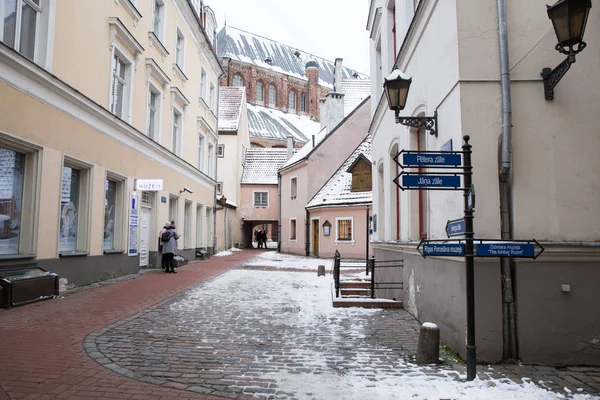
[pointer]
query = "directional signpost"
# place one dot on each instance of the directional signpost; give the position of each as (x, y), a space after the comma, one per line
(428, 249)
(456, 227)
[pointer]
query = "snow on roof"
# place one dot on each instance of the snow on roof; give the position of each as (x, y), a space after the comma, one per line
(306, 149)
(230, 107)
(355, 91)
(262, 164)
(254, 49)
(269, 123)
(338, 189)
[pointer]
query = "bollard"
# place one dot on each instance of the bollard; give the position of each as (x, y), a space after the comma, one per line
(321, 270)
(428, 351)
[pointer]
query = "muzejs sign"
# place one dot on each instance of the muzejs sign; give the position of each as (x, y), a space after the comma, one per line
(430, 248)
(517, 249)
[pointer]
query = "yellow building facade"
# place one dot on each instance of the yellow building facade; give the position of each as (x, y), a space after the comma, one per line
(108, 129)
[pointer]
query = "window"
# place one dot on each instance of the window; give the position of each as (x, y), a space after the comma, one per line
(180, 50)
(293, 229)
(152, 128)
(187, 225)
(344, 229)
(261, 199)
(176, 133)
(237, 80)
(12, 171)
(20, 25)
(361, 175)
(219, 188)
(260, 92)
(303, 102)
(292, 101)
(199, 224)
(74, 208)
(158, 14)
(211, 150)
(272, 95)
(211, 98)
(220, 150)
(113, 208)
(119, 86)
(173, 208)
(200, 152)
(293, 188)
(203, 84)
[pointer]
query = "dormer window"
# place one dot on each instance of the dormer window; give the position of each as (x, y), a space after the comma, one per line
(269, 60)
(361, 174)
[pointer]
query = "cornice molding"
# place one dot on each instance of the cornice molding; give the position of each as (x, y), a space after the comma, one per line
(132, 10)
(155, 70)
(155, 41)
(118, 30)
(179, 97)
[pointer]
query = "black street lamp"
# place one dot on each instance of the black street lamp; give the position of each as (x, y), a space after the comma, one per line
(397, 85)
(569, 18)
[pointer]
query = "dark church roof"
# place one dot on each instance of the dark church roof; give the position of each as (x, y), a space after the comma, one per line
(253, 49)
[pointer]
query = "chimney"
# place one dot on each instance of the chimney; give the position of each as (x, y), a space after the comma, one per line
(290, 146)
(338, 76)
(332, 110)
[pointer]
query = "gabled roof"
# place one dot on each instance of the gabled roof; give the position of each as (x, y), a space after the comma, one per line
(269, 123)
(355, 91)
(337, 191)
(308, 148)
(230, 107)
(254, 49)
(262, 164)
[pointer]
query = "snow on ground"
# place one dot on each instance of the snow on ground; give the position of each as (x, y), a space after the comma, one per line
(227, 252)
(365, 378)
(287, 261)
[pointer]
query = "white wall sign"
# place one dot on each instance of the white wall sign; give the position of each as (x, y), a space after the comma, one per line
(132, 249)
(149, 184)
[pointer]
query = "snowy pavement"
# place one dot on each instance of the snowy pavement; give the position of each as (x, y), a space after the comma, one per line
(274, 334)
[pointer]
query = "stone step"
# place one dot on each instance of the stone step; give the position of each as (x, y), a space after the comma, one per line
(363, 292)
(355, 284)
(362, 301)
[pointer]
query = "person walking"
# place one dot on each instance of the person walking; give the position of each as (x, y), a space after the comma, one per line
(257, 238)
(263, 236)
(161, 244)
(170, 247)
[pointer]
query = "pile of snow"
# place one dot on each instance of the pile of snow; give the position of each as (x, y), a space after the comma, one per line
(288, 261)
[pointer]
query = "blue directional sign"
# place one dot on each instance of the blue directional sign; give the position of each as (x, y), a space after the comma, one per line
(447, 146)
(443, 249)
(431, 160)
(456, 227)
(505, 249)
(429, 181)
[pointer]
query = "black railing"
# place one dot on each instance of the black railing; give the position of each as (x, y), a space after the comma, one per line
(336, 272)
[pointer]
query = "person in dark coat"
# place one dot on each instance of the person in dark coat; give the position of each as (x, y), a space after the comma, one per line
(256, 233)
(163, 258)
(263, 237)
(170, 248)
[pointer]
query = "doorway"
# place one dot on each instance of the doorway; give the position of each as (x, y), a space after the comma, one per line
(144, 236)
(315, 238)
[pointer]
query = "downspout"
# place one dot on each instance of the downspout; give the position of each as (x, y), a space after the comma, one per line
(214, 251)
(509, 315)
(307, 234)
(279, 212)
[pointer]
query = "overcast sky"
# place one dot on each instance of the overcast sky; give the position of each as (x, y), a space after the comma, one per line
(326, 28)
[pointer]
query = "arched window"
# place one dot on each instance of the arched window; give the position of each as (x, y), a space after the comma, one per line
(238, 81)
(260, 92)
(272, 95)
(292, 101)
(303, 102)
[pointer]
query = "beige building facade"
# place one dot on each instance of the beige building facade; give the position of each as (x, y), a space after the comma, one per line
(109, 130)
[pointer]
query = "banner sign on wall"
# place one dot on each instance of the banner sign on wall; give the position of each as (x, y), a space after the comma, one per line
(149, 184)
(132, 248)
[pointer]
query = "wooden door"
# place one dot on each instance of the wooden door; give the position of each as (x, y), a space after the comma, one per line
(315, 226)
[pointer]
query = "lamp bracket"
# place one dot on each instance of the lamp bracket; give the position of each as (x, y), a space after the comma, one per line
(568, 50)
(553, 76)
(428, 123)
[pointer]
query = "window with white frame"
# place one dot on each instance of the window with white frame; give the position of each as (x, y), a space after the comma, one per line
(187, 225)
(20, 21)
(74, 208)
(237, 81)
(293, 188)
(180, 50)
(272, 95)
(344, 229)
(201, 165)
(113, 213)
(173, 208)
(260, 92)
(120, 86)
(261, 199)
(199, 224)
(220, 150)
(211, 97)
(153, 113)
(303, 102)
(158, 18)
(293, 229)
(203, 84)
(176, 132)
(210, 158)
(292, 101)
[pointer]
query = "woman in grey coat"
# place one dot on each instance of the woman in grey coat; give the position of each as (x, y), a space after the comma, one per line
(170, 247)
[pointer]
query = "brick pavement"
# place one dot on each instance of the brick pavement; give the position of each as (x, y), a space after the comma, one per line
(41, 344)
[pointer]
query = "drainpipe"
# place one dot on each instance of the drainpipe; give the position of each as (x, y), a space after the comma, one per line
(279, 212)
(509, 314)
(307, 234)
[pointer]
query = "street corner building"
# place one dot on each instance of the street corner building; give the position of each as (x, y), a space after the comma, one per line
(486, 72)
(108, 129)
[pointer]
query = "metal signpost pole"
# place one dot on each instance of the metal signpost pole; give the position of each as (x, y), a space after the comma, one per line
(469, 260)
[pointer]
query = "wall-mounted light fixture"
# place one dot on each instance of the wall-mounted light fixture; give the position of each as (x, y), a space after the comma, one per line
(396, 86)
(569, 18)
